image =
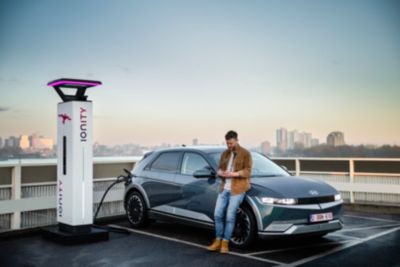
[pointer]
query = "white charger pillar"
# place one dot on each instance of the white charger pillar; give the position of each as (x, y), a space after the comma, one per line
(75, 165)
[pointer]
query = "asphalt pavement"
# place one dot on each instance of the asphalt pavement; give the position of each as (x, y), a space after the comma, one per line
(367, 239)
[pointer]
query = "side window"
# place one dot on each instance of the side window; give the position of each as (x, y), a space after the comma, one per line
(166, 162)
(192, 162)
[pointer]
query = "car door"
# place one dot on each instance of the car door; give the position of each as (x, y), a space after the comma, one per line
(198, 195)
(160, 179)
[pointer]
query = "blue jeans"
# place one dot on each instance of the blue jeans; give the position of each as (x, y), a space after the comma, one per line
(225, 209)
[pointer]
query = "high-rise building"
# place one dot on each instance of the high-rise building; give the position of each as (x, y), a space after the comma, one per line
(307, 137)
(282, 139)
(11, 142)
(314, 142)
(1, 142)
(335, 139)
(265, 148)
(195, 142)
(295, 139)
(40, 142)
(24, 142)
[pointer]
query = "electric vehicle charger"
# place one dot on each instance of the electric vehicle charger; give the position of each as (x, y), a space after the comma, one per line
(74, 191)
(120, 179)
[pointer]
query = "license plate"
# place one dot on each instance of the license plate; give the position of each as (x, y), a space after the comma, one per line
(321, 217)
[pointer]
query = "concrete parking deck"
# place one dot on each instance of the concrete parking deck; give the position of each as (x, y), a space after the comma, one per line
(367, 239)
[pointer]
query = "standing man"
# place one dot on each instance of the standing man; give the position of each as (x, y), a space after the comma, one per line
(234, 170)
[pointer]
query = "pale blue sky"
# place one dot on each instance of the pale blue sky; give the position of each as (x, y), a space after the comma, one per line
(175, 70)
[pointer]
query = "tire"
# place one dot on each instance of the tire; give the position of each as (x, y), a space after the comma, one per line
(136, 210)
(245, 231)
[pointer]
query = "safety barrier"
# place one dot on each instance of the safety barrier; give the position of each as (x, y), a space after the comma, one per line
(28, 187)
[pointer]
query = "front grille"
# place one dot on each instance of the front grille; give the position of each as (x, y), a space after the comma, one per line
(315, 200)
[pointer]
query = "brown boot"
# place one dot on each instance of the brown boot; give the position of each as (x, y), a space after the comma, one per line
(216, 245)
(224, 246)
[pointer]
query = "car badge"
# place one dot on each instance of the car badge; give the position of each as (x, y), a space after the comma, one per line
(313, 192)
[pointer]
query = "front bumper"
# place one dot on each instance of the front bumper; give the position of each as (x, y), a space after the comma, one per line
(291, 220)
(276, 230)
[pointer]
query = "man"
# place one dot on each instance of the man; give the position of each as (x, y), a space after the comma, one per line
(234, 170)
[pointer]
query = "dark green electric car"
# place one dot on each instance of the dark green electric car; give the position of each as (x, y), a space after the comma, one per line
(180, 184)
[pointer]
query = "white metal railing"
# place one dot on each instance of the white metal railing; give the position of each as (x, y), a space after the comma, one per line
(360, 187)
(33, 204)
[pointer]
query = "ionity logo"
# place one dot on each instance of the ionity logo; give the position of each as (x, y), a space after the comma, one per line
(64, 117)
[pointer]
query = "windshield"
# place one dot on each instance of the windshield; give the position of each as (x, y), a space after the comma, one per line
(262, 166)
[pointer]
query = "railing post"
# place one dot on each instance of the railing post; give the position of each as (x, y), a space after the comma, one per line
(297, 167)
(351, 174)
(16, 194)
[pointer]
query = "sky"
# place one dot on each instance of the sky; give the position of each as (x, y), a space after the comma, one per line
(177, 70)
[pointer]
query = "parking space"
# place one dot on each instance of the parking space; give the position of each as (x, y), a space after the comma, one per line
(359, 229)
(366, 239)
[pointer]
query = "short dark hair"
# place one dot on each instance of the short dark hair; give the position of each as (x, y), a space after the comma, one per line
(230, 135)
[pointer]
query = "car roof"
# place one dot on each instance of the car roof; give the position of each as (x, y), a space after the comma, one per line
(205, 149)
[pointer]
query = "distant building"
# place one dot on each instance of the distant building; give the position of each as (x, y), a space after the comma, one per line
(293, 138)
(195, 142)
(1, 142)
(296, 139)
(11, 142)
(24, 142)
(314, 142)
(282, 139)
(335, 139)
(265, 148)
(307, 137)
(40, 142)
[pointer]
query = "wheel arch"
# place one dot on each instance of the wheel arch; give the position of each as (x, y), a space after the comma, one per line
(137, 188)
(253, 207)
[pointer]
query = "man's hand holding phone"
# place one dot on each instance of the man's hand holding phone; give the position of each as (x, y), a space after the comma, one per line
(227, 174)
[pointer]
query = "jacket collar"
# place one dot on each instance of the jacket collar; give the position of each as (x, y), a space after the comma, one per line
(237, 149)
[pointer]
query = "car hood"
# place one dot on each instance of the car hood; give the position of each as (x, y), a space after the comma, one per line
(292, 187)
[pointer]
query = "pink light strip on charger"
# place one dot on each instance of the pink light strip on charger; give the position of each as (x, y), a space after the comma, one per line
(72, 82)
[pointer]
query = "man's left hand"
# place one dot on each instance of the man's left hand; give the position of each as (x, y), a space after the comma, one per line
(231, 174)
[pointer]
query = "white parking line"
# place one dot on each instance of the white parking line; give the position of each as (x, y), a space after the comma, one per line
(369, 227)
(348, 245)
(192, 244)
(369, 218)
(299, 247)
(345, 236)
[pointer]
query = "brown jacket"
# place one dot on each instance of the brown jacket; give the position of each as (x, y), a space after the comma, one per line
(242, 164)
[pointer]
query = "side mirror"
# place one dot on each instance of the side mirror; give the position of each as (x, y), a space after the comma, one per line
(204, 173)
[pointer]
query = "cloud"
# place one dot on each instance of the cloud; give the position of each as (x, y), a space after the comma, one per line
(3, 109)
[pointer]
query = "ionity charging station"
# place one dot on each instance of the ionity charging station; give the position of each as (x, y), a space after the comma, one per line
(74, 193)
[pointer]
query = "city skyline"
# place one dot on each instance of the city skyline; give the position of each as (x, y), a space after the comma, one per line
(177, 70)
(300, 137)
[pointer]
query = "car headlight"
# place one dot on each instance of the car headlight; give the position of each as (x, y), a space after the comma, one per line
(282, 201)
(338, 197)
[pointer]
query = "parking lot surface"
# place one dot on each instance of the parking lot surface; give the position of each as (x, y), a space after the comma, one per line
(366, 240)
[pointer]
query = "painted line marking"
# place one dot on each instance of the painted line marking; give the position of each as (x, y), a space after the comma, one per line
(370, 218)
(192, 244)
(369, 227)
(345, 246)
(345, 236)
(299, 247)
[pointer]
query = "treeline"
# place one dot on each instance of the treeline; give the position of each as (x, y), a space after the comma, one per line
(385, 151)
